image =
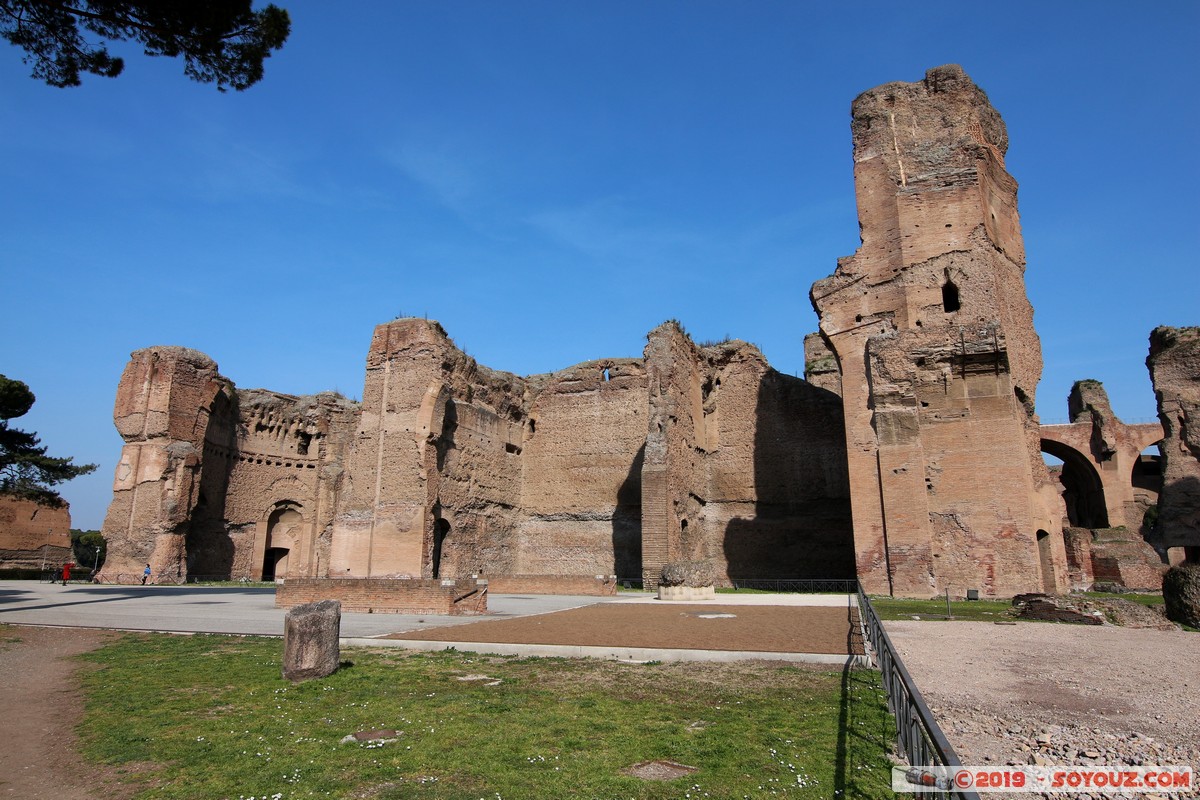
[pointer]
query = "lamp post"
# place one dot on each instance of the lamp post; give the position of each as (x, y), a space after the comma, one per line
(96, 563)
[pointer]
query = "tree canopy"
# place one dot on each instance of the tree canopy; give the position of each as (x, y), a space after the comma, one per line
(25, 468)
(221, 41)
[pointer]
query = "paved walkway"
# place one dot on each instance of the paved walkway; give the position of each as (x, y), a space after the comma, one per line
(252, 611)
(219, 609)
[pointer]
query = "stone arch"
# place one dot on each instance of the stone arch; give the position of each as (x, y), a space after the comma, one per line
(283, 527)
(1083, 490)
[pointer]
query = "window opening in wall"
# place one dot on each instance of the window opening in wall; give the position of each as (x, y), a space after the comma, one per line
(304, 439)
(950, 301)
(606, 376)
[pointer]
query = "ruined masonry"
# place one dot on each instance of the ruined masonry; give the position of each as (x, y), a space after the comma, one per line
(448, 469)
(939, 360)
(910, 458)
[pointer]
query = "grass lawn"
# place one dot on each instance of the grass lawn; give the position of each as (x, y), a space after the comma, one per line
(970, 610)
(980, 610)
(1142, 598)
(200, 717)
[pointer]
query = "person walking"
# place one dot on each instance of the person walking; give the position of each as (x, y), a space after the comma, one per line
(66, 573)
(145, 575)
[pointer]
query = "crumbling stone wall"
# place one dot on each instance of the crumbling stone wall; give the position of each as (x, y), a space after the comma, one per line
(449, 469)
(165, 400)
(1107, 487)
(33, 535)
(917, 424)
(744, 467)
(1174, 364)
(205, 467)
(581, 489)
(820, 364)
(284, 475)
(939, 359)
(669, 463)
(431, 475)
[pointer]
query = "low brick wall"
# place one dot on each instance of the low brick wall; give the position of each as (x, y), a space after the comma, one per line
(388, 595)
(599, 585)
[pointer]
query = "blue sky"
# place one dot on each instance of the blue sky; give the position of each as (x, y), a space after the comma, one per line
(551, 180)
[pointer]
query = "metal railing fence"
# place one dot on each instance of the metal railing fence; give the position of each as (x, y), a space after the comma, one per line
(919, 739)
(797, 585)
(169, 579)
(800, 585)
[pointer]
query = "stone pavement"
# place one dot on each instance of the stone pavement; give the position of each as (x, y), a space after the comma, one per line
(219, 609)
(251, 611)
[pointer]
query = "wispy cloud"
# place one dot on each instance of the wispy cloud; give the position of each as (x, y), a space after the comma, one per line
(444, 173)
(610, 229)
(239, 170)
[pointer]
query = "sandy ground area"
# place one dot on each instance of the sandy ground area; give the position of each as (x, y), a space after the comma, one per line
(1042, 693)
(707, 626)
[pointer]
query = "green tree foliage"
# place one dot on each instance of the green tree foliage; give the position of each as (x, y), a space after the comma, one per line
(25, 469)
(84, 544)
(221, 41)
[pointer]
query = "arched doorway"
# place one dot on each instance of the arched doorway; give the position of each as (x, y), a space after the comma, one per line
(1083, 491)
(275, 563)
(284, 526)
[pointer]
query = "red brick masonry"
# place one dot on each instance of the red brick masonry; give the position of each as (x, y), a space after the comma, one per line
(601, 586)
(389, 595)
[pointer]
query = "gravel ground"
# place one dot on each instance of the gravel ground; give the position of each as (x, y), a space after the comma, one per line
(1043, 693)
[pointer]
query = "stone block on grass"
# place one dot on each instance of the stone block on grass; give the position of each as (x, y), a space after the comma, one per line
(310, 640)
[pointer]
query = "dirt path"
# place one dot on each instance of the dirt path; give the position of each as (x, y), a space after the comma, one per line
(39, 758)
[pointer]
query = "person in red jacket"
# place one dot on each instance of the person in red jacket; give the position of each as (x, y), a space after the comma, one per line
(67, 572)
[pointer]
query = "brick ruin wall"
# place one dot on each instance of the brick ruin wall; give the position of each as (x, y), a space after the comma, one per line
(461, 597)
(33, 535)
(591, 586)
(164, 401)
(212, 478)
(581, 489)
(916, 422)
(280, 486)
(1174, 364)
(744, 466)
(448, 469)
(937, 354)
(1108, 487)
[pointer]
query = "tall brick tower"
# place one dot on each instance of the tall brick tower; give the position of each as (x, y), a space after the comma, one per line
(939, 360)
